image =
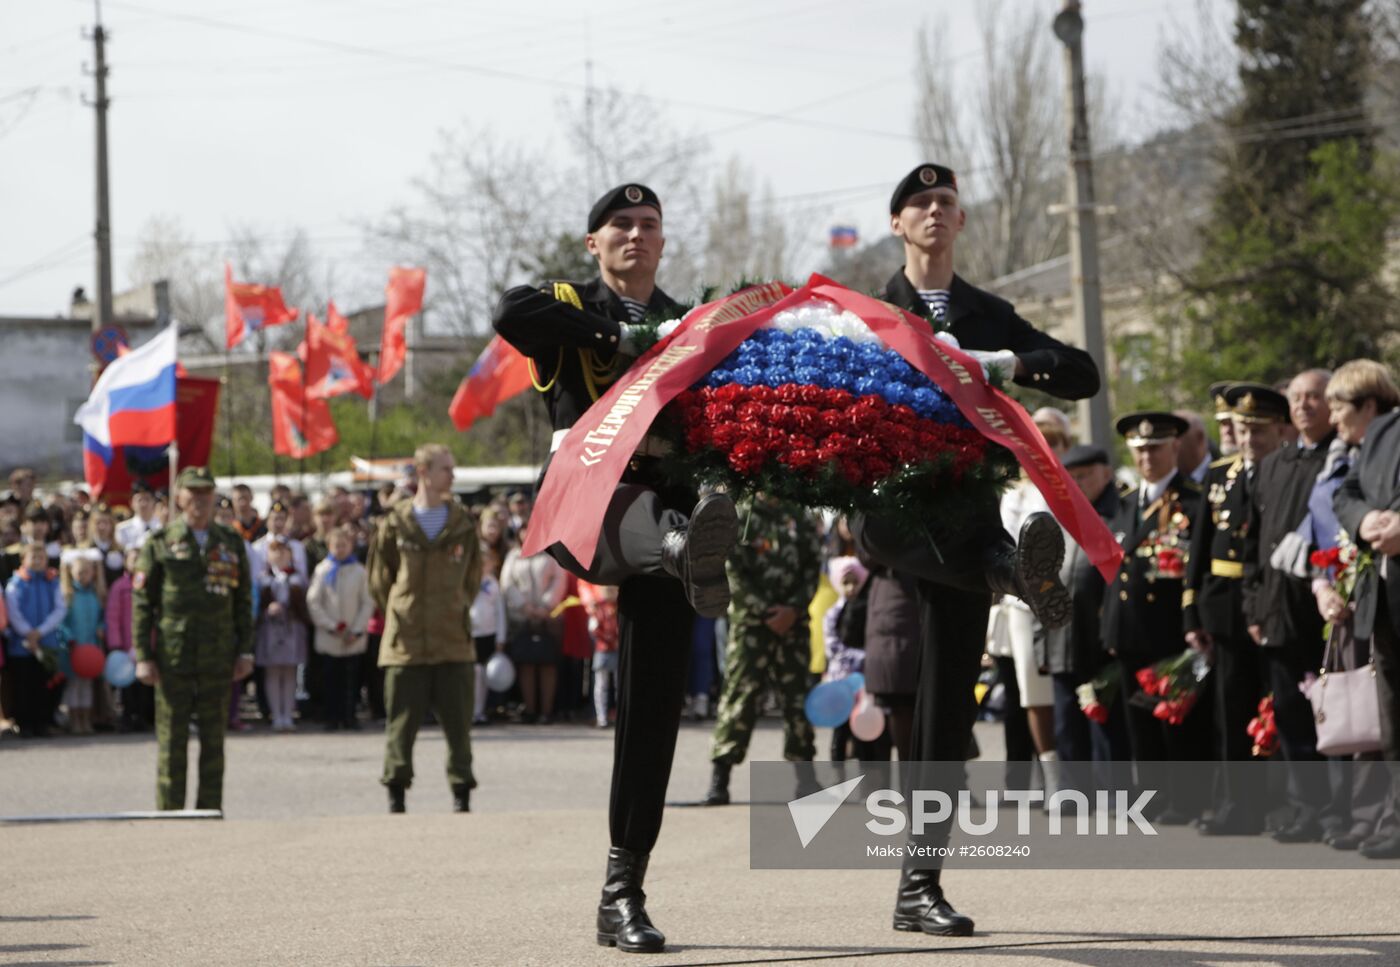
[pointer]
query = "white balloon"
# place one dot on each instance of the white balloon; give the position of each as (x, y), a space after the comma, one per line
(500, 672)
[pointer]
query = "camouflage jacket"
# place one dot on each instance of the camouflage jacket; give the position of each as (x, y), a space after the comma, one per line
(198, 602)
(778, 561)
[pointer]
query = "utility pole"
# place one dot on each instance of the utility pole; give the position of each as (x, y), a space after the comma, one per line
(102, 308)
(1084, 230)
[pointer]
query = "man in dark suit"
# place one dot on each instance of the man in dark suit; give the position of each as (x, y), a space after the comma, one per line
(1213, 602)
(1368, 505)
(957, 580)
(1278, 603)
(1142, 609)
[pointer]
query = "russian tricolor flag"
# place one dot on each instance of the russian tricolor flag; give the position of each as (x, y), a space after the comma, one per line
(133, 403)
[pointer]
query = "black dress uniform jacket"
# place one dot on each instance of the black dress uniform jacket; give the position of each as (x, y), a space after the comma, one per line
(987, 323)
(1214, 595)
(1079, 650)
(551, 332)
(1282, 605)
(1142, 608)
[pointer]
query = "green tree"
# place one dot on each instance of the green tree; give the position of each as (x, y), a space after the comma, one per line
(1292, 259)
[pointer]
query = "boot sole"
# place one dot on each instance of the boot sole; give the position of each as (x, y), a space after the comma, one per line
(710, 537)
(1040, 551)
(608, 940)
(910, 924)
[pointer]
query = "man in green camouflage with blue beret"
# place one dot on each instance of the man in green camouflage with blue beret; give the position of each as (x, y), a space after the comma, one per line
(773, 576)
(192, 629)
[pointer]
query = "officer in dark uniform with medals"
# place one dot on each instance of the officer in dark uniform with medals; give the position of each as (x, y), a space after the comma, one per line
(1213, 602)
(956, 579)
(1142, 612)
(1223, 423)
(654, 532)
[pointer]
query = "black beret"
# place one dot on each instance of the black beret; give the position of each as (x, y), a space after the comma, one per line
(1256, 403)
(623, 196)
(1150, 426)
(922, 178)
(1084, 455)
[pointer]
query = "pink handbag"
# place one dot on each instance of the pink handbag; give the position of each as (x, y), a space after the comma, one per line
(1346, 710)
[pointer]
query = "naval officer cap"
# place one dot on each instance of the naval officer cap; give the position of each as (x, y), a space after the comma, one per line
(1218, 400)
(922, 178)
(1150, 427)
(623, 196)
(1256, 403)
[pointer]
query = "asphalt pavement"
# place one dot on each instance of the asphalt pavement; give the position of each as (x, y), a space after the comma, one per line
(307, 868)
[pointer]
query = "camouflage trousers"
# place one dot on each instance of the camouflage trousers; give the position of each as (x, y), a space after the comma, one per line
(180, 697)
(755, 660)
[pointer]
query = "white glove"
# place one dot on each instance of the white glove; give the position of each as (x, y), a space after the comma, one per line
(949, 338)
(1003, 360)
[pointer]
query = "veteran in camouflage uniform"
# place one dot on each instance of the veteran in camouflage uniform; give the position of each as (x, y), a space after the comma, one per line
(192, 629)
(773, 575)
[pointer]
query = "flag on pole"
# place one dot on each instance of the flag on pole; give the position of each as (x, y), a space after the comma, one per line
(335, 322)
(499, 373)
(301, 427)
(403, 297)
(844, 236)
(133, 403)
(333, 364)
(110, 471)
(249, 307)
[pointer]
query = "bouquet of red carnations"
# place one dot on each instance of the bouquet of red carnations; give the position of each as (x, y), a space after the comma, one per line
(1263, 729)
(1171, 686)
(1096, 697)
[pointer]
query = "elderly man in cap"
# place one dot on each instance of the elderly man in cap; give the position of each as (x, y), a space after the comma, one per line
(1074, 654)
(1224, 422)
(1213, 602)
(665, 550)
(192, 630)
(957, 579)
(1142, 608)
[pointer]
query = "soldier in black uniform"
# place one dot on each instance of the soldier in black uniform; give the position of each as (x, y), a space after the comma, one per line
(575, 336)
(1142, 613)
(1213, 602)
(956, 580)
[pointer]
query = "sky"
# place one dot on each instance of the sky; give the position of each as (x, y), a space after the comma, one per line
(317, 114)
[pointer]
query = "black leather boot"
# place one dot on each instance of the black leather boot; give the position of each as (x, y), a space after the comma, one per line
(1031, 571)
(462, 799)
(922, 908)
(396, 803)
(622, 917)
(696, 554)
(719, 786)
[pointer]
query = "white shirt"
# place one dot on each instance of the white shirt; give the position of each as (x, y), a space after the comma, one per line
(257, 556)
(133, 531)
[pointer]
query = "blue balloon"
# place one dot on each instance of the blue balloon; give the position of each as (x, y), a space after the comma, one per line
(120, 670)
(829, 704)
(855, 681)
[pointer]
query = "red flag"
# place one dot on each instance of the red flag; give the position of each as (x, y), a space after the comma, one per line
(499, 373)
(249, 307)
(333, 364)
(111, 472)
(301, 427)
(403, 297)
(335, 322)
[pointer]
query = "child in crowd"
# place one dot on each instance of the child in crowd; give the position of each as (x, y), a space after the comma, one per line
(844, 658)
(84, 598)
(601, 602)
(488, 625)
(138, 700)
(35, 604)
(340, 606)
(281, 631)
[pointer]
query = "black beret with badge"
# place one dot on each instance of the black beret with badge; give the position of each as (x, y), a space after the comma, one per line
(1256, 403)
(922, 178)
(623, 196)
(1150, 427)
